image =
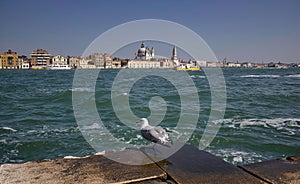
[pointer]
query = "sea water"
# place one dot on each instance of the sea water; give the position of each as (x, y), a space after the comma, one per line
(261, 122)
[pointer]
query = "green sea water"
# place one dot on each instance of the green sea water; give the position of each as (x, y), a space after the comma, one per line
(37, 121)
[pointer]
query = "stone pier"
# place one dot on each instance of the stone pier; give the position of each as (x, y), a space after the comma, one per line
(188, 165)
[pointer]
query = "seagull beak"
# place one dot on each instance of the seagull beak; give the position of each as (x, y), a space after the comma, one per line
(138, 122)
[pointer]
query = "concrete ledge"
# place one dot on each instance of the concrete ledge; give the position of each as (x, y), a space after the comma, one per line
(91, 169)
(276, 171)
(187, 165)
(191, 165)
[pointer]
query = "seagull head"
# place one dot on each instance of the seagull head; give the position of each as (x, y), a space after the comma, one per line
(143, 122)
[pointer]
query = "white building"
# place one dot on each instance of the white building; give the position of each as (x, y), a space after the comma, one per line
(246, 64)
(25, 65)
(59, 60)
(231, 64)
(85, 63)
(212, 64)
(143, 64)
(202, 64)
(166, 63)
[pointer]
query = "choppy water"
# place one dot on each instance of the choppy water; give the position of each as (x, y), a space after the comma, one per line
(262, 119)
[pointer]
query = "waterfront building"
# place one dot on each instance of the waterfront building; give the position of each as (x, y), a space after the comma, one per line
(145, 59)
(74, 62)
(260, 65)
(10, 60)
(202, 64)
(108, 61)
(143, 64)
(232, 64)
(97, 59)
(24, 63)
(86, 63)
(40, 58)
(116, 63)
(246, 65)
(59, 60)
(212, 64)
(166, 63)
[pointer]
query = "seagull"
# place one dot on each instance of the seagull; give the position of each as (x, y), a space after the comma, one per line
(154, 134)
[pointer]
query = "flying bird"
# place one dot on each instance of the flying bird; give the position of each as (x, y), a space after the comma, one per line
(154, 134)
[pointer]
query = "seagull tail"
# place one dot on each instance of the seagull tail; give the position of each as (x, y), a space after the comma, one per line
(171, 141)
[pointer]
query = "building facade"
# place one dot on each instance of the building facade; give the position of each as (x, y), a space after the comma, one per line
(143, 64)
(74, 62)
(97, 59)
(116, 63)
(40, 58)
(23, 60)
(10, 60)
(59, 60)
(202, 64)
(86, 63)
(108, 61)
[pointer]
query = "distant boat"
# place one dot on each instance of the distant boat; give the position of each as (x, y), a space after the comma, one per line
(187, 68)
(58, 67)
(37, 68)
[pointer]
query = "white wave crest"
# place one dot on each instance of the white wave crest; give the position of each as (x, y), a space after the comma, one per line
(238, 157)
(8, 128)
(285, 125)
(260, 76)
(91, 126)
(82, 89)
(294, 76)
(198, 76)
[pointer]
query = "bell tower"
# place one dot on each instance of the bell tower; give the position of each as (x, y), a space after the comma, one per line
(174, 56)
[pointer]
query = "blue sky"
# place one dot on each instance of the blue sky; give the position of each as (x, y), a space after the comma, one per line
(244, 30)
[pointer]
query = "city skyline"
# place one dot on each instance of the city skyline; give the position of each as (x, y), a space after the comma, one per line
(257, 31)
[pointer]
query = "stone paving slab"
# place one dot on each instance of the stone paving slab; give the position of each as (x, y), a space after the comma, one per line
(277, 171)
(191, 165)
(91, 169)
(188, 164)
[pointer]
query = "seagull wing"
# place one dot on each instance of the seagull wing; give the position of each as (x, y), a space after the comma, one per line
(148, 136)
(160, 134)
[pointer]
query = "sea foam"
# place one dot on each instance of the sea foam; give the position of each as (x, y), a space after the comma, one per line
(8, 128)
(260, 76)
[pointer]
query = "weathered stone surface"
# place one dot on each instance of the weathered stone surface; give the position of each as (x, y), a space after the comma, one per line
(277, 171)
(191, 165)
(187, 165)
(92, 169)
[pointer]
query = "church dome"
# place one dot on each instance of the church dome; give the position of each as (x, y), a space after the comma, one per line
(142, 51)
